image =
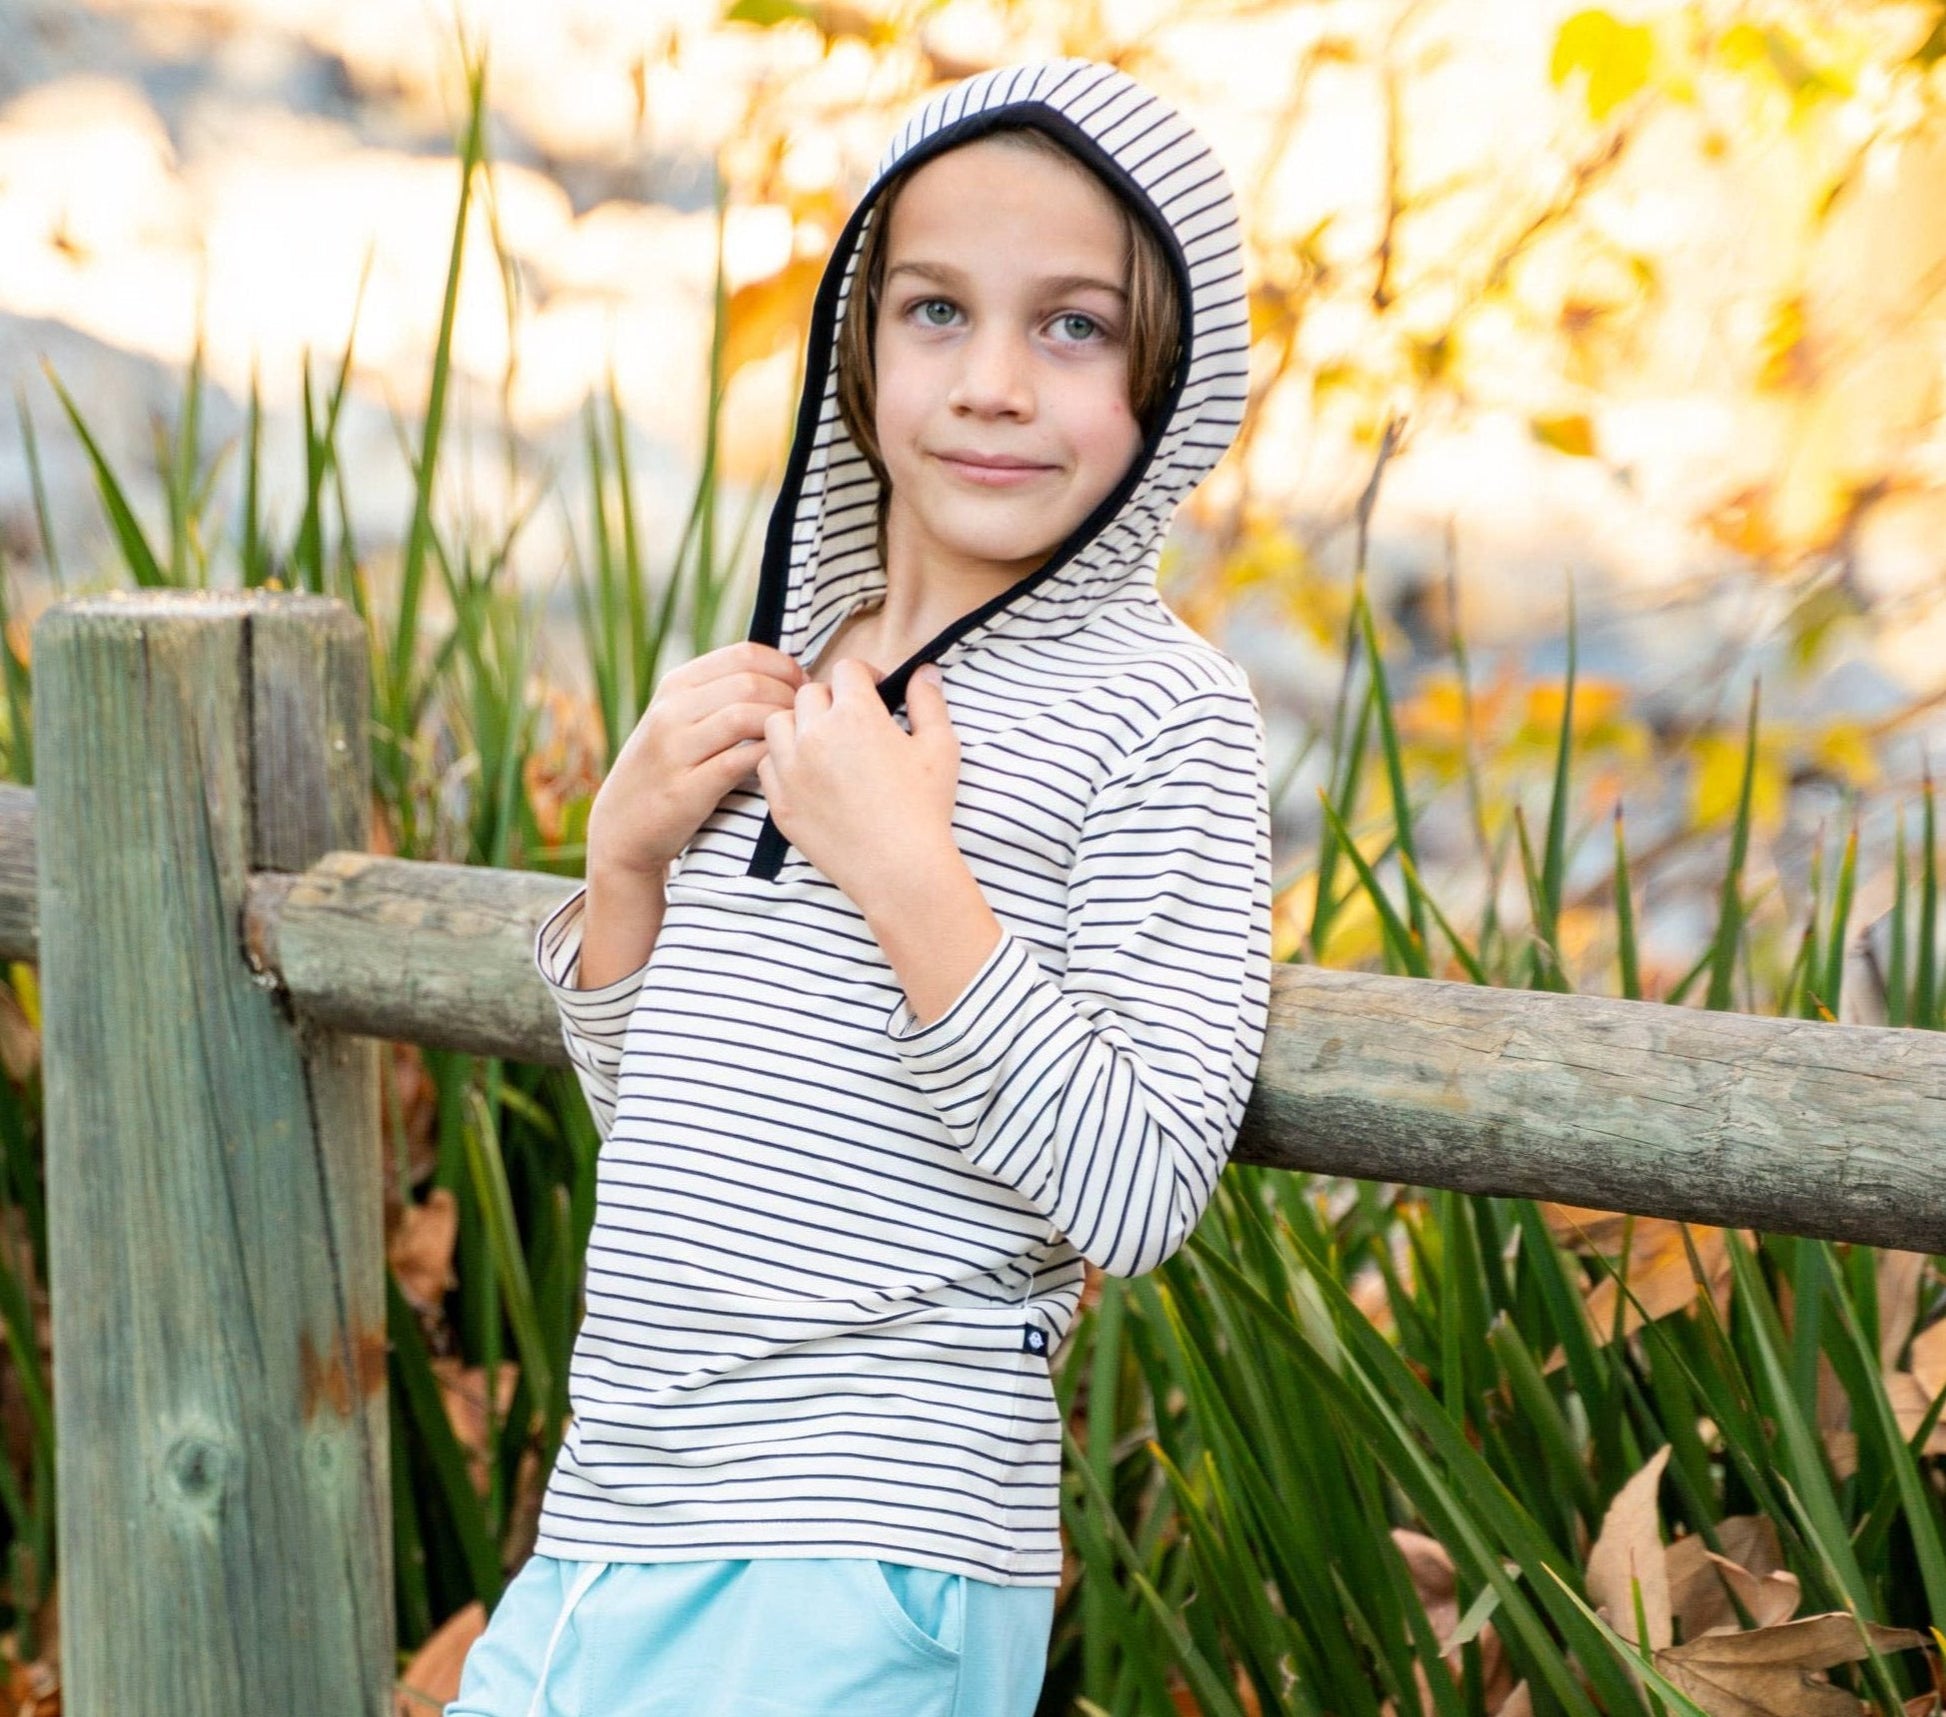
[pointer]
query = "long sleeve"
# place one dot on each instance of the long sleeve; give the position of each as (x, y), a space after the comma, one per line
(593, 1022)
(1111, 1098)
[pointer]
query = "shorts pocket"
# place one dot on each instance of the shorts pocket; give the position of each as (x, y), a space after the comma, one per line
(925, 1608)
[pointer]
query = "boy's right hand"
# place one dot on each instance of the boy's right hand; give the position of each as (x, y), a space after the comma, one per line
(701, 734)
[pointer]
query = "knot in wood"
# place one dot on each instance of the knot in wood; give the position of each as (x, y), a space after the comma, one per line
(199, 1468)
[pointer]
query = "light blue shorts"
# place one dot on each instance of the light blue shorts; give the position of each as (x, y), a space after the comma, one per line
(756, 1637)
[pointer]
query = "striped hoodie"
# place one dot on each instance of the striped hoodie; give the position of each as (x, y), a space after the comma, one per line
(834, 1249)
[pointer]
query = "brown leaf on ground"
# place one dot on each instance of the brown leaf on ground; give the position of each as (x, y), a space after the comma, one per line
(463, 1388)
(1628, 1550)
(1834, 1426)
(1368, 1294)
(1929, 1357)
(1658, 1269)
(1583, 1229)
(1751, 1541)
(1900, 1275)
(1436, 1584)
(1910, 1396)
(1431, 1568)
(1660, 1275)
(1698, 1578)
(1766, 1672)
(32, 1689)
(434, 1672)
(1910, 1400)
(411, 1106)
(524, 1512)
(421, 1249)
(1187, 1704)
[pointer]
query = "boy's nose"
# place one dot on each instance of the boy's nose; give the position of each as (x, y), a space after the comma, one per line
(994, 375)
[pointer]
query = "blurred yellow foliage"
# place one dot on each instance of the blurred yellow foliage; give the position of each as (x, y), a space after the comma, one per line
(1716, 783)
(1616, 58)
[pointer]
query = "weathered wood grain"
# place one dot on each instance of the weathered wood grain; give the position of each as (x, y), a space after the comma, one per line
(1785, 1125)
(214, 1208)
(1791, 1126)
(436, 954)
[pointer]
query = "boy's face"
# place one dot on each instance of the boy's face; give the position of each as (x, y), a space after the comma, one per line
(989, 344)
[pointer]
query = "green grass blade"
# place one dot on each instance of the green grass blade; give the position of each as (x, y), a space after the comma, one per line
(136, 553)
(1728, 939)
(1625, 948)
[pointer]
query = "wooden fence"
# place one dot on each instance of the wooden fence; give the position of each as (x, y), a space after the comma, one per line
(219, 953)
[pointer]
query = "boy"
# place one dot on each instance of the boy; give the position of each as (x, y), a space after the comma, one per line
(887, 1029)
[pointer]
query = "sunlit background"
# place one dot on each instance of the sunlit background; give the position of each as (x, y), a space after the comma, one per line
(1619, 327)
(1653, 290)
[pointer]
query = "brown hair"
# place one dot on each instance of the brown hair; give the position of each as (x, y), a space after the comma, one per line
(1153, 334)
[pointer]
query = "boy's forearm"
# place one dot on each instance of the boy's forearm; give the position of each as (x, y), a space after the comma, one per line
(620, 922)
(936, 930)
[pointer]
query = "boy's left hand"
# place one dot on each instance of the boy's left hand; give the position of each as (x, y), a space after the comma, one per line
(866, 802)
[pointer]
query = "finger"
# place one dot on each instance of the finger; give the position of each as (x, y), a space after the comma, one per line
(720, 712)
(925, 701)
(748, 657)
(780, 738)
(853, 677)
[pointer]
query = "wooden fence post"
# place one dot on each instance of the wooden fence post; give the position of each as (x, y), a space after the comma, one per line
(215, 1227)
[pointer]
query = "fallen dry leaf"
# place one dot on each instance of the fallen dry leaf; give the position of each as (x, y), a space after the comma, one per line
(1766, 1672)
(421, 1249)
(463, 1388)
(1187, 1705)
(1698, 1599)
(1628, 1551)
(1433, 1579)
(1929, 1357)
(1659, 1273)
(1368, 1294)
(434, 1672)
(1751, 1541)
(1910, 1400)
(1436, 1584)
(1899, 1277)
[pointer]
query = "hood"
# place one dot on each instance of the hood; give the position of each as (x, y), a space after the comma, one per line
(820, 553)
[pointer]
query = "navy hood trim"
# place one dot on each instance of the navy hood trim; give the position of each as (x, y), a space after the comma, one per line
(820, 557)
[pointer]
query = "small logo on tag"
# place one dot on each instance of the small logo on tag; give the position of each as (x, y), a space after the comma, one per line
(1033, 1341)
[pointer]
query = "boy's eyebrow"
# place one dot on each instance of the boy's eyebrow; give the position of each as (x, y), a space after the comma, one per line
(947, 275)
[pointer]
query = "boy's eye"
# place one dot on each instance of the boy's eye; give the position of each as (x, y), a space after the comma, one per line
(1067, 320)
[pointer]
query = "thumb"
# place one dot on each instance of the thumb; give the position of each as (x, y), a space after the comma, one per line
(925, 700)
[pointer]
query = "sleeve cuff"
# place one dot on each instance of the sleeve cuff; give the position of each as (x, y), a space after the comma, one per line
(991, 996)
(557, 956)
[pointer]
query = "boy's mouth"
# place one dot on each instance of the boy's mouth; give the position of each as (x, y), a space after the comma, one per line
(991, 471)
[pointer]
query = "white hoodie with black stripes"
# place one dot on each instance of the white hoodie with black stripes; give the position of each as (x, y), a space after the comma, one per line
(834, 1249)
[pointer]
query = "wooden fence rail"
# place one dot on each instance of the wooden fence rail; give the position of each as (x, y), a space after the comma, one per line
(218, 953)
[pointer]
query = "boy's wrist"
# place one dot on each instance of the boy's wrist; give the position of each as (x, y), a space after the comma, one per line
(904, 885)
(613, 877)
(935, 928)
